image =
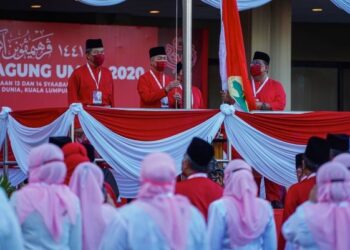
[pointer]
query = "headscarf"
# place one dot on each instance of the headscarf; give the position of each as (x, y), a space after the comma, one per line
(44, 193)
(10, 231)
(247, 215)
(329, 222)
(86, 182)
(74, 154)
(344, 159)
(156, 196)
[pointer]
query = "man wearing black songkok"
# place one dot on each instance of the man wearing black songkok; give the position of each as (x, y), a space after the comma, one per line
(154, 85)
(316, 154)
(198, 188)
(91, 83)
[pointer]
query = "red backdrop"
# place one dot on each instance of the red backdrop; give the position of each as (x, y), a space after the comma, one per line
(36, 60)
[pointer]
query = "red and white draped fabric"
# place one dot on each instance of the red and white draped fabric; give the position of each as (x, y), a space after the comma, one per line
(101, 2)
(122, 137)
(267, 141)
(342, 4)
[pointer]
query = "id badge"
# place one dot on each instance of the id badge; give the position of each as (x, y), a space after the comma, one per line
(97, 97)
(164, 102)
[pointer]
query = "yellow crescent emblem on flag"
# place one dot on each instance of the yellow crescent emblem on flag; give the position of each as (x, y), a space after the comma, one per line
(235, 89)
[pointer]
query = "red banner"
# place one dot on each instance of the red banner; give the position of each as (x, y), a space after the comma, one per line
(36, 60)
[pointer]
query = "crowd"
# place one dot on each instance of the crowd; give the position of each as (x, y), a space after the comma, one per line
(69, 202)
(65, 204)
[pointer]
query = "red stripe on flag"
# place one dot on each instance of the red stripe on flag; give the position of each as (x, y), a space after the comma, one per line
(235, 60)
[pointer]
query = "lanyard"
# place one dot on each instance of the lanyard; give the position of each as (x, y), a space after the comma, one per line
(260, 88)
(197, 175)
(156, 79)
(93, 76)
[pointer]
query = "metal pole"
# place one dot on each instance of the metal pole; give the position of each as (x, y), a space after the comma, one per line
(72, 131)
(229, 150)
(5, 158)
(187, 51)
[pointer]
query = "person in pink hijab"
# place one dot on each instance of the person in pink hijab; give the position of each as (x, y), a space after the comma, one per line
(48, 212)
(343, 158)
(157, 219)
(87, 183)
(241, 220)
(325, 224)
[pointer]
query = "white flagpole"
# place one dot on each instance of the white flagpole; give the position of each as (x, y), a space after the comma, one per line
(187, 51)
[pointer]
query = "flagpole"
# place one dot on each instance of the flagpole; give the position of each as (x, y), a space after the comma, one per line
(187, 51)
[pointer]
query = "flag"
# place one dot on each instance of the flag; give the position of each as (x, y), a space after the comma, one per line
(233, 65)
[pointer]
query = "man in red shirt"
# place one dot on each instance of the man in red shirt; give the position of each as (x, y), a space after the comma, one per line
(269, 94)
(316, 153)
(197, 187)
(154, 86)
(92, 84)
(175, 96)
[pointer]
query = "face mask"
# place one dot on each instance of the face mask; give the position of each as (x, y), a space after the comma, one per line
(255, 69)
(98, 59)
(160, 66)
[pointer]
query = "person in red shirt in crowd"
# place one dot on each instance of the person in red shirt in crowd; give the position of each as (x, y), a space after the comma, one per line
(316, 153)
(92, 84)
(197, 187)
(269, 95)
(154, 85)
(175, 97)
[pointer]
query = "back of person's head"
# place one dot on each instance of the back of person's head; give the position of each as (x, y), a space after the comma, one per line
(344, 159)
(200, 153)
(171, 213)
(316, 153)
(45, 164)
(333, 183)
(60, 141)
(244, 210)
(87, 182)
(158, 174)
(338, 143)
(239, 179)
(74, 154)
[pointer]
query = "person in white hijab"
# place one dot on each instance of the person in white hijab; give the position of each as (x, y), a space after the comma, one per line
(10, 231)
(240, 220)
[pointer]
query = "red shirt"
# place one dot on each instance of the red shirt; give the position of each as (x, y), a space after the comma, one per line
(149, 90)
(200, 191)
(81, 86)
(296, 195)
(272, 93)
(197, 100)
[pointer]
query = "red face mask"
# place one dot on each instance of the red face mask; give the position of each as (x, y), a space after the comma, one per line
(98, 59)
(160, 66)
(255, 69)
